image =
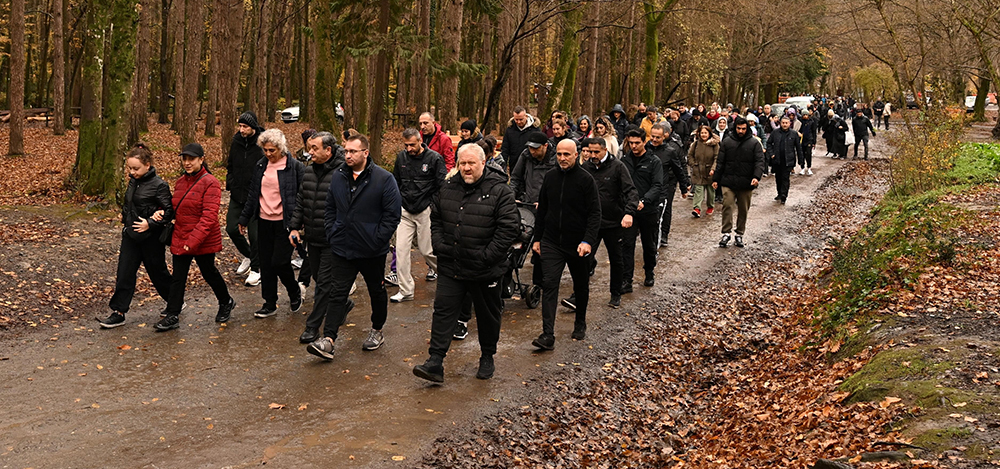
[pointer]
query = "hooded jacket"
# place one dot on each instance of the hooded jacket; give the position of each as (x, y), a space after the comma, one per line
(671, 156)
(289, 180)
(419, 178)
(441, 143)
(143, 197)
(647, 176)
(701, 160)
(515, 140)
(310, 203)
(473, 226)
(244, 153)
(362, 213)
(526, 179)
(614, 189)
(741, 159)
(197, 216)
(619, 121)
(472, 139)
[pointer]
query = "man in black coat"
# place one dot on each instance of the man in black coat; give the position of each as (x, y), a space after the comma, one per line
(419, 172)
(362, 211)
(738, 170)
(515, 138)
(567, 225)
(861, 124)
(618, 203)
(664, 145)
(878, 108)
(647, 176)
(474, 222)
(244, 153)
(784, 149)
(307, 225)
(538, 159)
(808, 131)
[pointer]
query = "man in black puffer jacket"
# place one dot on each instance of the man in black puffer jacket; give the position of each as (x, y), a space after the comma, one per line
(569, 219)
(738, 170)
(647, 176)
(668, 148)
(244, 153)
(308, 225)
(474, 222)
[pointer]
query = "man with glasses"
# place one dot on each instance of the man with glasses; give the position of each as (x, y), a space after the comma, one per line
(363, 210)
(647, 176)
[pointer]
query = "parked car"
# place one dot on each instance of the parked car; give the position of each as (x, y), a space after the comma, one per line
(800, 102)
(289, 115)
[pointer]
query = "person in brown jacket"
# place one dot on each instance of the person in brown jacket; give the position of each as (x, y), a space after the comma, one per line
(701, 165)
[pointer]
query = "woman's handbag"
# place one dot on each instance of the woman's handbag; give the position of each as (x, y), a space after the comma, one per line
(166, 236)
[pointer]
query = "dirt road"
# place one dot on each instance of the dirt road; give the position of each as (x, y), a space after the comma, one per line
(247, 392)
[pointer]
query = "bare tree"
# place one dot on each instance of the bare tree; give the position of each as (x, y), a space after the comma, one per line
(58, 70)
(138, 115)
(16, 93)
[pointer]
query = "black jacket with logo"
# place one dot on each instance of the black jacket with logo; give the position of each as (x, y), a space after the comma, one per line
(419, 178)
(615, 190)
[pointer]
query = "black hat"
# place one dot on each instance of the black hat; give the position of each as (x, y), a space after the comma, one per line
(193, 149)
(469, 125)
(537, 139)
(250, 119)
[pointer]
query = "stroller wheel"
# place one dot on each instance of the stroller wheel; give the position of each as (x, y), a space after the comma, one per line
(533, 297)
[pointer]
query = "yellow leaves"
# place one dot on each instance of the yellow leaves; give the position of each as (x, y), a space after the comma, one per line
(399, 458)
(275, 406)
(888, 401)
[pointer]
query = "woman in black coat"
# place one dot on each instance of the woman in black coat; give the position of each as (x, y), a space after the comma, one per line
(146, 194)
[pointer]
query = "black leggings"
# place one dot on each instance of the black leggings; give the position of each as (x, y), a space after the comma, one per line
(182, 265)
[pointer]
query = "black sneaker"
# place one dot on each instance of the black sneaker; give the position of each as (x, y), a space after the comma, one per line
(225, 310)
(777, 198)
(616, 301)
(626, 287)
(545, 342)
(265, 312)
(164, 313)
(431, 275)
(169, 322)
(486, 367)
(461, 331)
(308, 336)
(649, 279)
(724, 241)
(738, 242)
(579, 333)
(295, 304)
(323, 348)
(114, 320)
(431, 370)
(570, 302)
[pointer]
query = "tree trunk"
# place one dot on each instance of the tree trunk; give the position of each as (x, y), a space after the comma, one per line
(177, 26)
(87, 171)
(58, 70)
(166, 60)
(139, 116)
(42, 92)
(566, 68)
(214, 57)
(311, 69)
(377, 118)
(275, 58)
(229, 47)
(322, 87)
(258, 74)
(187, 94)
(590, 99)
(652, 59)
(16, 93)
(421, 84)
(451, 41)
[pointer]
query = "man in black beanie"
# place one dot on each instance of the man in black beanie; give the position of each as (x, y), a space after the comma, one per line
(243, 157)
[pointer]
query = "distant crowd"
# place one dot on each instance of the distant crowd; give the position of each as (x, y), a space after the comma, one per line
(553, 192)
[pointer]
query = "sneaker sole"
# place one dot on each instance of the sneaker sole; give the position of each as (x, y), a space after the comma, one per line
(568, 304)
(420, 373)
(367, 348)
(165, 329)
(296, 309)
(459, 337)
(394, 300)
(319, 353)
(614, 306)
(111, 326)
(262, 316)
(538, 344)
(479, 376)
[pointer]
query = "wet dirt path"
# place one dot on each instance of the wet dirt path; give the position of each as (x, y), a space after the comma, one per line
(202, 396)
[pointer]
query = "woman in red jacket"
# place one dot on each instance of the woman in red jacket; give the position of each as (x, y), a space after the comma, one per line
(197, 236)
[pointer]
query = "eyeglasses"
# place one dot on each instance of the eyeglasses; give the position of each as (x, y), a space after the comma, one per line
(353, 152)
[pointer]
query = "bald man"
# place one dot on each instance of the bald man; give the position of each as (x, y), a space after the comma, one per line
(566, 226)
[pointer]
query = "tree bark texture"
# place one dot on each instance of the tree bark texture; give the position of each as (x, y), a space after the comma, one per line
(58, 70)
(17, 72)
(138, 115)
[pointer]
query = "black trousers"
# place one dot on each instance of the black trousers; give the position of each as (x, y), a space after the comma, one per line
(148, 252)
(449, 298)
(646, 227)
(305, 272)
(275, 262)
(554, 260)
(806, 158)
(612, 238)
(343, 271)
(878, 120)
(886, 119)
(245, 247)
(182, 265)
(667, 213)
(782, 180)
(320, 267)
(857, 144)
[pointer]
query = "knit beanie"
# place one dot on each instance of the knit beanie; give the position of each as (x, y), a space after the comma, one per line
(250, 119)
(469, 125)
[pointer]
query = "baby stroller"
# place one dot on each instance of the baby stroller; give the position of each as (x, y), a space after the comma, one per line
(532, 294)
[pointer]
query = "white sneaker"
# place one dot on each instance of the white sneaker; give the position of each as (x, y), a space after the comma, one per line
(302, 290)
(399, 298)
(354, 287)
(297, 263)
(253, 279)
(803, 172)
(809, 172)
(244, 266)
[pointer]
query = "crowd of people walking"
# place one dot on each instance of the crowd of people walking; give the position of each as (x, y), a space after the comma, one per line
(558, 189)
